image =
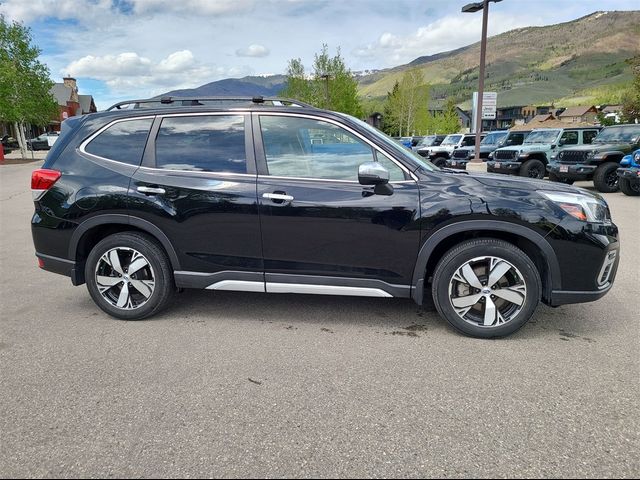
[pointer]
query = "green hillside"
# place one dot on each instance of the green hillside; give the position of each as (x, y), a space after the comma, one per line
(577, 62)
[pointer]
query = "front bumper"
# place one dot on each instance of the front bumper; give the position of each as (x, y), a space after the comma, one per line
(630, 174)
(572, 171)
(507, 166)
(458, 163)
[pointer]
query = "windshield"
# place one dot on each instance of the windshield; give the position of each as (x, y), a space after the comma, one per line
(493, 138)
(451, 140)
(618, 134)
(428, 141)
(396, 148)
(542, 136)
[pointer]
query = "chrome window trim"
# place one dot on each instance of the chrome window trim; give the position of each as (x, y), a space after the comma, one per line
(198, 172)
(347, 128)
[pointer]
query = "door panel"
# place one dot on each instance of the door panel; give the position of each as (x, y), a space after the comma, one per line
(318, 223)
(339, 230)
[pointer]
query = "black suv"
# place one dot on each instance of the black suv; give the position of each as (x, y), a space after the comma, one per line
(269, 196)
(598, 161)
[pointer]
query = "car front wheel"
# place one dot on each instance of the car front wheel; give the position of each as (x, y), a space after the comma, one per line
(533, 169)
(129, 276)
(486, 288)
(605, 178)
(629, 188)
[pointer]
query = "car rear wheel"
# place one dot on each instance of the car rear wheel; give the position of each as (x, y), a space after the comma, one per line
(605, 178)
(532, 169)
(629, 188)
(129, 276)
(486, 288)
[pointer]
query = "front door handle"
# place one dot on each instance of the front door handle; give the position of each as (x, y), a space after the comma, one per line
(151, 190)
(278, 197)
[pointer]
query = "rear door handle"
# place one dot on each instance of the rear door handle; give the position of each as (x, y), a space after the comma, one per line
(151, 190)
(281, 197)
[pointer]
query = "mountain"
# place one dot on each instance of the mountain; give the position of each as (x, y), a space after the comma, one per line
(574, 62)
(242, 87)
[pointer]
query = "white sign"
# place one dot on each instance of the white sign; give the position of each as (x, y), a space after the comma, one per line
(489, 104)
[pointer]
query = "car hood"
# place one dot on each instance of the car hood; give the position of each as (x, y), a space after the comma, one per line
(601, 147)
(530, 146)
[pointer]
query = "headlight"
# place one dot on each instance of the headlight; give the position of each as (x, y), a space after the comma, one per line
(636, 157)
(491, 156)
(582, 207)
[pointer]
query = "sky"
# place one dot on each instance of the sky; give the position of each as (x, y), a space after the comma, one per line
(125, 49)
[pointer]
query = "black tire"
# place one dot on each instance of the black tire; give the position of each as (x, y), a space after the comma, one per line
(554, 178)
(533, 168)
(440, 162)
(160, 268)
(605, 178)
(629, 188)
(470, 250)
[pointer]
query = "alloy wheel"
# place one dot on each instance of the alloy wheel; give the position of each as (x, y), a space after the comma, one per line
(125, 278)
(487, 291)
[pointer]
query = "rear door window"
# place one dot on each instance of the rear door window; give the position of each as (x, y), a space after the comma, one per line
(588, 136)
(203, 143)
(122, 141)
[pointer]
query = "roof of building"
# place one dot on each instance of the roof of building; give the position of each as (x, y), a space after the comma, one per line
(61, 93)
(612, 109)
(85, 102)
(543, 117)
(576, 111)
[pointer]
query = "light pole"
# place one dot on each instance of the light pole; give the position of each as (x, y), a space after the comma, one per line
(476, 163)
(326, 76)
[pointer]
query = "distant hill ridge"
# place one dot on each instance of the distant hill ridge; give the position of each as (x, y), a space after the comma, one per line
(575, 62)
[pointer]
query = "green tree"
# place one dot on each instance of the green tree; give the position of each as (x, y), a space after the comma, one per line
(631, 104)
(406, 109)
(24, 81)
(331, 84)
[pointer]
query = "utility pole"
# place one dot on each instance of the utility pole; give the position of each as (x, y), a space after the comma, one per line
(476, 163)
(326, 90)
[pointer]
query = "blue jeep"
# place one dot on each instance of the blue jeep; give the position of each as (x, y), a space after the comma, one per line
(629, 174)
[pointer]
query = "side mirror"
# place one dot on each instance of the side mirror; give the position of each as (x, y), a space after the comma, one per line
(372, 173)
(561, 142)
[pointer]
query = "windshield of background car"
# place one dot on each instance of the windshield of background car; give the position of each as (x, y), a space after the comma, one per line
(397, 149)
(494, 138)
(427, 141)
(451, 140)
(618, 134)
(542, 136)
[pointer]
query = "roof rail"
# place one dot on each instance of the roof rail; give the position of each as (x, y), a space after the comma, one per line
(160, 102)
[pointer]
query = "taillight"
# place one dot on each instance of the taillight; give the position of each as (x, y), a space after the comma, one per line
(42, 180)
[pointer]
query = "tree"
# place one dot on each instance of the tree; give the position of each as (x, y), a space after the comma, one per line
(406, 110)
(631, 104)
(331, 85)
(24, 81)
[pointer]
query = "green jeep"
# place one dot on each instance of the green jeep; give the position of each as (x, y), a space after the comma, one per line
(598, 161)
(532, 157)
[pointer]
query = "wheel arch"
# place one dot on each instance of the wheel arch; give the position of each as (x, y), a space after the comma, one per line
(94, 229)
(532, 243)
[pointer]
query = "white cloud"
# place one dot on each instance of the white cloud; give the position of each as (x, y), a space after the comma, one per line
(129, 73)
(202, 7)
(253, 51)
(447, 33)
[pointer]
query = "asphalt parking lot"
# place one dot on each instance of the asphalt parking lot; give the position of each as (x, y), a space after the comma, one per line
(248, 385)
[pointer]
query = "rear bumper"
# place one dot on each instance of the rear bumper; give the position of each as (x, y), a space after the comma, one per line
(61, 266)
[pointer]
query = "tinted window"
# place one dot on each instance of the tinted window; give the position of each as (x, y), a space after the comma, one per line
(202, 143)
(570, 138)
(589, 135)
(468, 141)
(306, 148)
(122, 141)
(515, 138)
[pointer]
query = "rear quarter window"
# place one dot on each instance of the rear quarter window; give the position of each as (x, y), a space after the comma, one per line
(123, 141)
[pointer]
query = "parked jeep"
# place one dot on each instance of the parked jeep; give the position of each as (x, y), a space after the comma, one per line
(439, 155)
(427, 142)
(462, 156)
(598, 161)
(629, 174)
(532, 158)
